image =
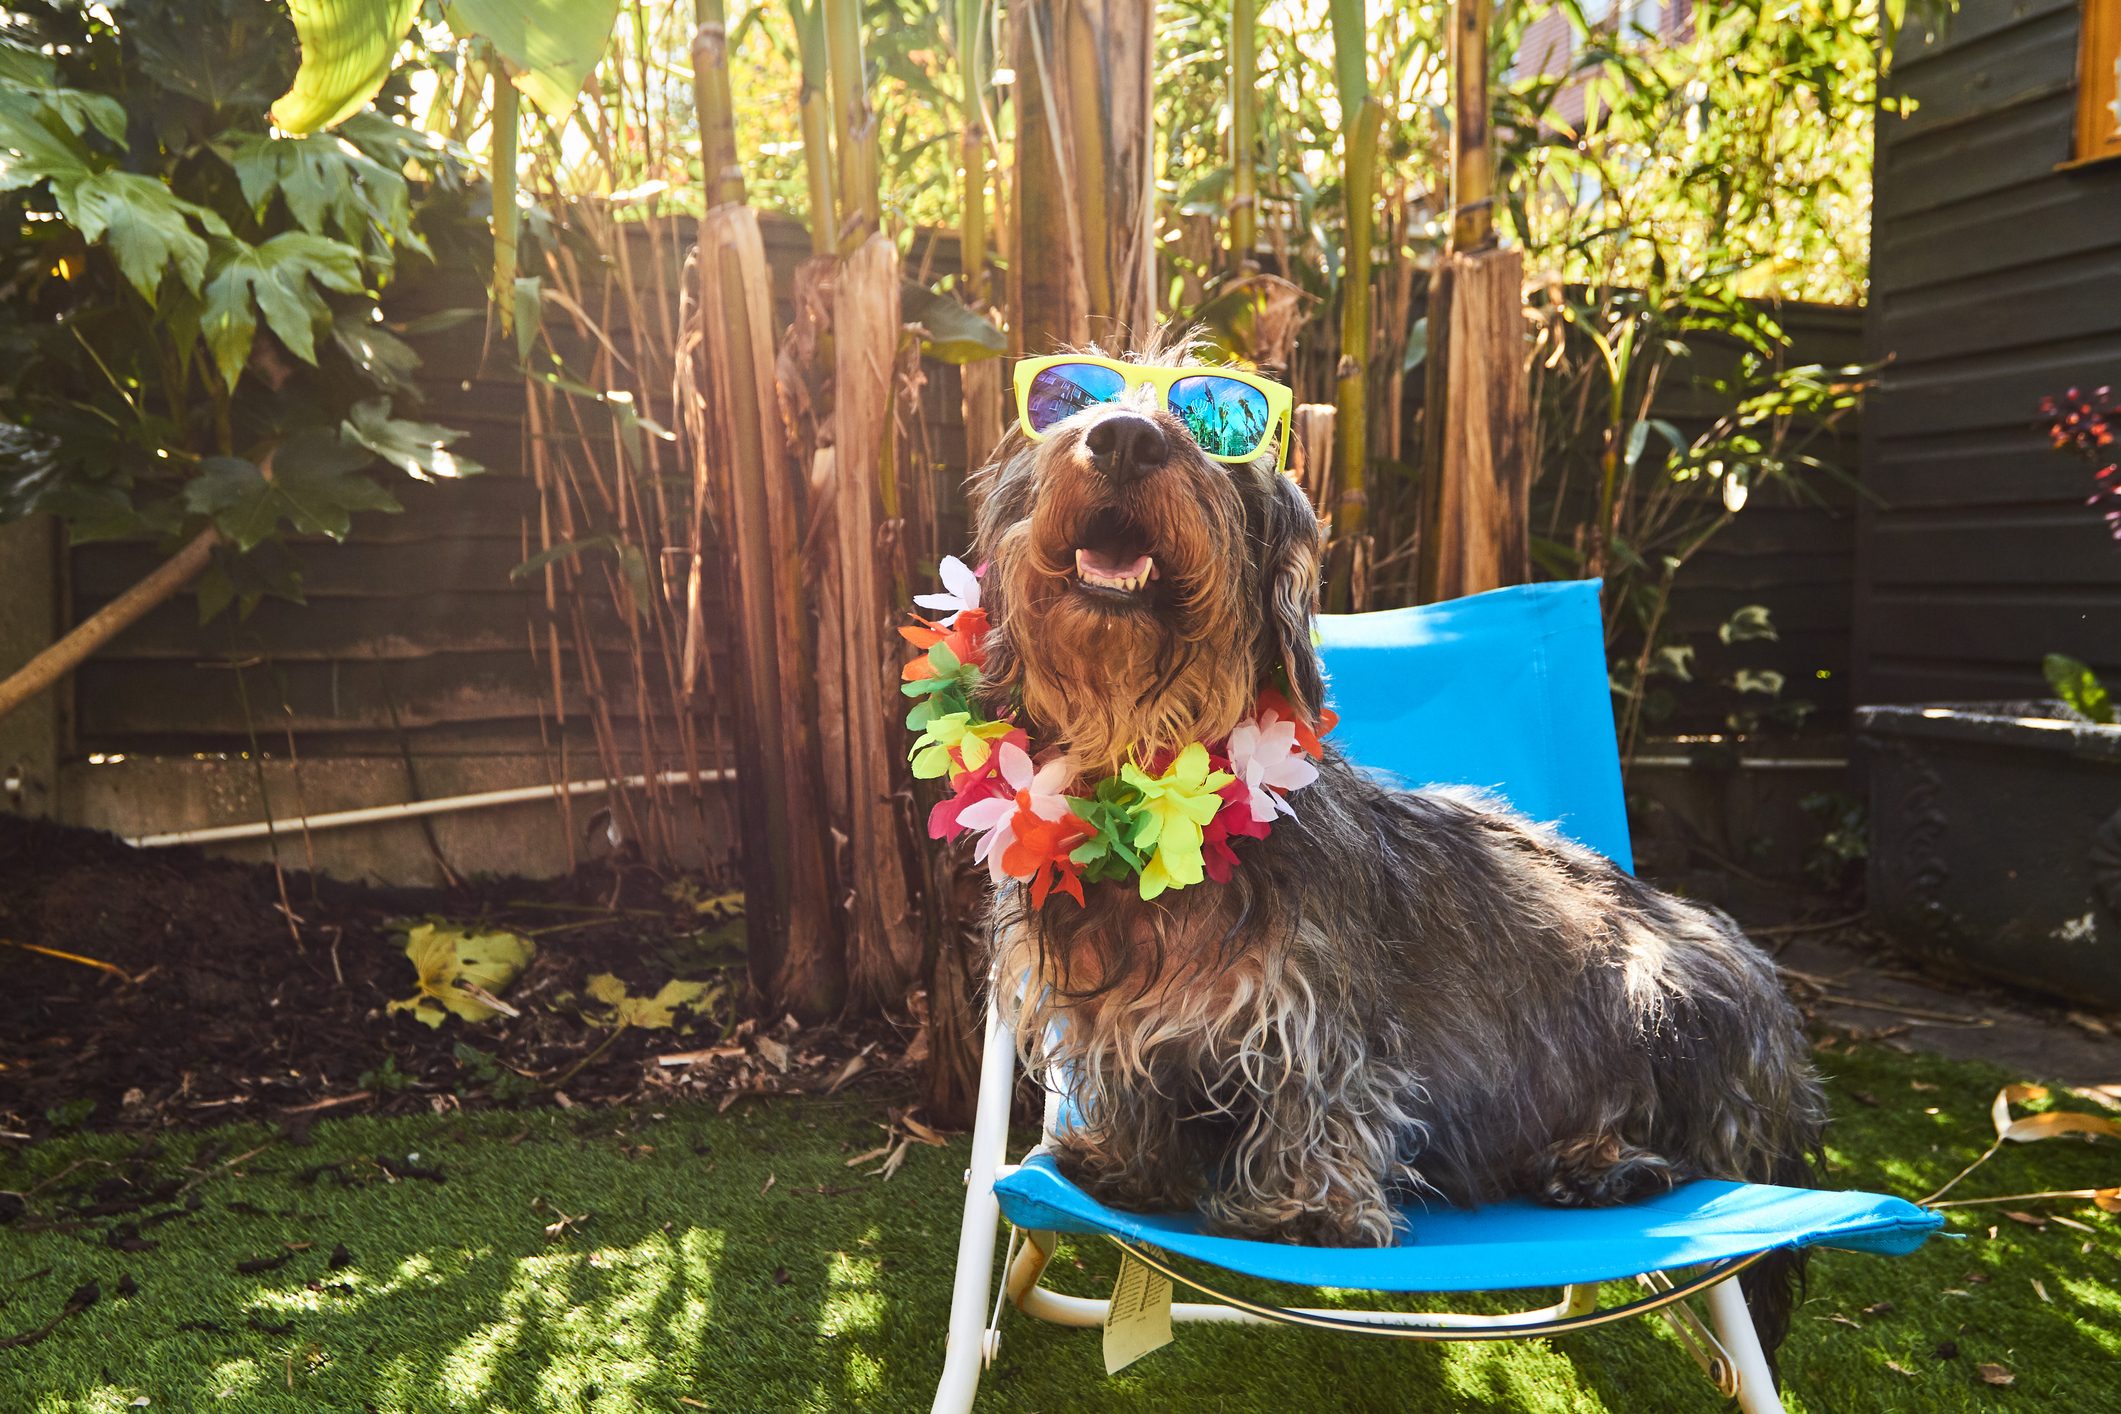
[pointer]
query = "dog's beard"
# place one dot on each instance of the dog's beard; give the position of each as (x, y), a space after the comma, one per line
(1147, 669)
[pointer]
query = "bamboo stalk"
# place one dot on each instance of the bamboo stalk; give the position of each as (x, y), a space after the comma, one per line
(796, 957)
(885, 943)
(1085, 192)
(1351, 422)
(854, 125)
(816, 117)
(1244, 118)
(506, 219)
(711, 95)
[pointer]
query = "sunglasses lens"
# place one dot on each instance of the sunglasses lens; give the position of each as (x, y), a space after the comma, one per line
(1065, 389)
(1227, 418)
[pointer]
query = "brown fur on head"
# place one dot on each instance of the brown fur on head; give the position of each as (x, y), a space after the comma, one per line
(1100, 672)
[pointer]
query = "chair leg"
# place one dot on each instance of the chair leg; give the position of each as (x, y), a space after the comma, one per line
(965, 1350)
(1741, 1342)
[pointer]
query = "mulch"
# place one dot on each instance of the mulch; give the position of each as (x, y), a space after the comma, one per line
(212, 1005)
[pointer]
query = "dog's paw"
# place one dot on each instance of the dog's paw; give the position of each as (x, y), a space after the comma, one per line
(1600, 1171)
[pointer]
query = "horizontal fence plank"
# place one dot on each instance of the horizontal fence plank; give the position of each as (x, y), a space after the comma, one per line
(2013, 308)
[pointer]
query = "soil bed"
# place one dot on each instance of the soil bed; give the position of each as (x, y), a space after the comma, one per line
(226, 1011)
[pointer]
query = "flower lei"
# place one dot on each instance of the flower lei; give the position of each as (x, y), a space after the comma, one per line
(1168, 822)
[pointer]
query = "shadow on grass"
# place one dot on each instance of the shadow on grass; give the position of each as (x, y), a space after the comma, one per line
(607, 1262)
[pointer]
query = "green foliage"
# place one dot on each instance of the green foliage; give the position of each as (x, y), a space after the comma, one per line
(385, 1079)
(2076, 684)
(348, 47)
(482, 1072)
(193, 329)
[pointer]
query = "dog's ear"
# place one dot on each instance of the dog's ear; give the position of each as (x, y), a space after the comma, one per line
(1287, 541)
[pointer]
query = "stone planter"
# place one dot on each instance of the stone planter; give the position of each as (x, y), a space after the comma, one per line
(1996, 840)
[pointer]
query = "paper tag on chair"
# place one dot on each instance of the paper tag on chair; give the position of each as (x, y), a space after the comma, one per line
(1140, 1318)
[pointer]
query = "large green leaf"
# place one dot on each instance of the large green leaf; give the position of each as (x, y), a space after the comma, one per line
(35, 146)
(347, 49)
(419, 449)
(550, 45)
(955, 333)
(147, 227)
(315, 486)
(277, 279)
(329, 182)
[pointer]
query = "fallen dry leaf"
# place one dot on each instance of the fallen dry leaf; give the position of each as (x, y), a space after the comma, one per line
(775, 1052)
(2029, 1219)
(766, 1185)
(1993, 1374)
(2108, 1200)
(1879, 1308)
(2040, 1291)
(922, 1132)
(1899, 1369)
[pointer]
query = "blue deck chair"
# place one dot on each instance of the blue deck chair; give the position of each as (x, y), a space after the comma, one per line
(1506, 691)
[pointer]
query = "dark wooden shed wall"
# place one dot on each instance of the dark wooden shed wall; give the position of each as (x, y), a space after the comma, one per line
(1995, 279)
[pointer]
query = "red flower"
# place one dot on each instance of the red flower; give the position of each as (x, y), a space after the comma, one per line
(1039, 852)
(1234, 819)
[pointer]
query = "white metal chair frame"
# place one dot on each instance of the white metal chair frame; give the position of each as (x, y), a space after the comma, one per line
(1727, 1347)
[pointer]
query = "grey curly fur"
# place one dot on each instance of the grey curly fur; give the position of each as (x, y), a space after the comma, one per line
(1401, 995)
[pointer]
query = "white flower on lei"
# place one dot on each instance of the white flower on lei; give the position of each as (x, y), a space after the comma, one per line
(963, 590)
(1264, 754)
(994, 818)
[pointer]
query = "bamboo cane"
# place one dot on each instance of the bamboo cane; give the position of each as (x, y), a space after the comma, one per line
(885, 943)
(1476, 460)
(854, 125)
(1244, 117)
(1351, 380)
(711, 95)
(815, 107)
(796, 957)
(506, 218)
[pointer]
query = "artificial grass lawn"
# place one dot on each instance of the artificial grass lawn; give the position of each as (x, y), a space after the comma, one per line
(735, 1263)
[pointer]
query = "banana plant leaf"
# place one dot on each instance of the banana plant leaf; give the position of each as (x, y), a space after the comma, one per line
(347, 49)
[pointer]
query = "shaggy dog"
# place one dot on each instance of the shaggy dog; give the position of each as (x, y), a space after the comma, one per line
(1400, 994)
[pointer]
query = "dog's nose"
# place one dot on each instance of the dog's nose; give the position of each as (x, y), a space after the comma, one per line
(1125, 447)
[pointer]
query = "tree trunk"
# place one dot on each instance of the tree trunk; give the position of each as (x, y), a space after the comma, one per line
(1084, 258)
(43, 671)
(795, 953)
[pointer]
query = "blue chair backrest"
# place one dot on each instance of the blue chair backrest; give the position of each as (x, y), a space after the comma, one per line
(1505, 690)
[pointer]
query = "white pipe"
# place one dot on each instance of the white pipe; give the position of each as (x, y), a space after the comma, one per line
(965, 1348)
(1755, 763)
(413, 809)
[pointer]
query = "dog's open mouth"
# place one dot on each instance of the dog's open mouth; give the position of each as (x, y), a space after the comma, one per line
(1113, 559)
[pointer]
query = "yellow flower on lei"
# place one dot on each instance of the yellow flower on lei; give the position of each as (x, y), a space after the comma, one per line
(1174, 807)
(954, 732)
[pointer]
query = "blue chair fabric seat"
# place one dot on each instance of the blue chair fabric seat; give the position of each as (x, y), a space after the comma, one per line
(1508, 1245)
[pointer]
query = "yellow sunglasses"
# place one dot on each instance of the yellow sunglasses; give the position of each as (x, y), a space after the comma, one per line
(1232, 415)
